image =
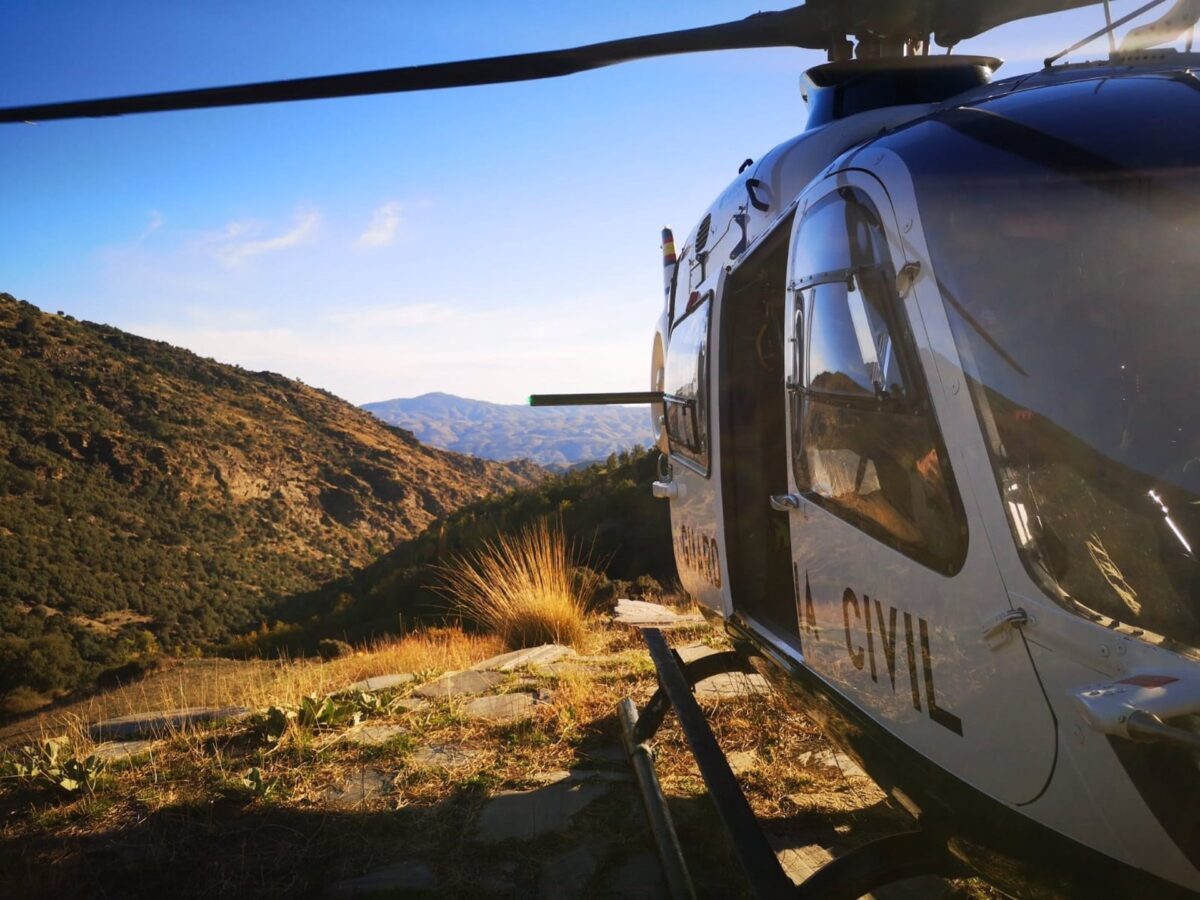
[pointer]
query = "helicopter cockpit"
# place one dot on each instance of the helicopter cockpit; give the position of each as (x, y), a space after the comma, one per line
(1070, 280)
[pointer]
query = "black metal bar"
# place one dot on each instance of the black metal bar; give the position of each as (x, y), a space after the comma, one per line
(766, 876)
(696, 671)
(658, 816)
(610, 399)
(881, 862)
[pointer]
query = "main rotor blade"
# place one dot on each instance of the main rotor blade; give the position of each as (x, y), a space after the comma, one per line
(955, 20)
(801, 26)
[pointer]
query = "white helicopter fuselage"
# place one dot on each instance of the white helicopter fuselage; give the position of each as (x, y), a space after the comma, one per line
(964, 689)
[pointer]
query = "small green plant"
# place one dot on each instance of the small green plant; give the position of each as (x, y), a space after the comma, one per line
(327, 712)
(258, 785)
(49, 762)
(420, 676)
(274, 723)
(330, 711)
(369, 704)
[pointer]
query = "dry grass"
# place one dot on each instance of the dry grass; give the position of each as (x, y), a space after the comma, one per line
(257, 684)
(522, 588)
(180, 821)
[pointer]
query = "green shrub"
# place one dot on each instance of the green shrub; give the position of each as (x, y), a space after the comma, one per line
(331, 648)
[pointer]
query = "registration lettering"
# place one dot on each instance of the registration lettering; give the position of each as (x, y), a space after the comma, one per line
(698, 552)
(872, 634)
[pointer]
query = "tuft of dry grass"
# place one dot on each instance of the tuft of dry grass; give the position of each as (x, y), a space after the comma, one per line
(522, 588)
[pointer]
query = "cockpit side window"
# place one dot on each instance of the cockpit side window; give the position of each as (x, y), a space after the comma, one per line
(686, 397)
(866, 446)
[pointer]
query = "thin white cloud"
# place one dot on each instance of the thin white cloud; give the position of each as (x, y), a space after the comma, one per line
(407, 316)
(154, 221)
(385, 224)
(239, 241)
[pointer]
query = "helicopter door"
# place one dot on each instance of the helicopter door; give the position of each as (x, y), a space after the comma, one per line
(753, 450)
(892, 591)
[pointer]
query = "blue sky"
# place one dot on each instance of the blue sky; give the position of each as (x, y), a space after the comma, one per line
(490, 242)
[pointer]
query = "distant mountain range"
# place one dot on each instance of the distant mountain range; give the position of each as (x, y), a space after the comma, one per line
(557, 437)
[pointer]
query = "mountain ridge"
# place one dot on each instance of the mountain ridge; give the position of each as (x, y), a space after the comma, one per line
(549, 436)
(150, 497)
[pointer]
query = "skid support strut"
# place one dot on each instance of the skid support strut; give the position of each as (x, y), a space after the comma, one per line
(675, 681)
(849, 876)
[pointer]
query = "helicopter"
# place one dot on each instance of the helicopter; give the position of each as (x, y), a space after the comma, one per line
(922, 383)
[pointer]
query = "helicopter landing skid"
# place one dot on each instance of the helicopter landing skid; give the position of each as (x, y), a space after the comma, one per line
(903, 855)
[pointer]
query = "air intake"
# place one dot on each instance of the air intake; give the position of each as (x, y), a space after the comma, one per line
(702, 233)
(840, 89)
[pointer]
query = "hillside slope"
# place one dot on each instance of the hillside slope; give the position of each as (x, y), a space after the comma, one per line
(148, 496)
(550, 436)
(607, 511)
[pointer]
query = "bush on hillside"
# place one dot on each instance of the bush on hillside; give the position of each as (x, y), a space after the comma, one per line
(331, 648)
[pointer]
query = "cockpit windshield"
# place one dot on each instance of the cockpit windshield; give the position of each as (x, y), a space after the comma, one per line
(1073, 292)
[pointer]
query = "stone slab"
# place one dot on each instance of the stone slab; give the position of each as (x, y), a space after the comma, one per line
(606, 754)
(364, 785)
(115, 752)
(802, 854)
(643, 614)
(501, 707)
(409, 704)
(526, 815)
(570, 668)
(373, 735)
(799, 855)
(528, 656)
(460, 684)
(443, 756)
(604, 775)
(833, 760)
(742, 761)
(403, 877)
(693, 652)
(567, 874)
(381, 682)
(163, 722)
(731, 684)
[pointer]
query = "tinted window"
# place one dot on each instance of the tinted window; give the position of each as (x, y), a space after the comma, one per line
(867, 448)
(1071, 292)
(686, 387)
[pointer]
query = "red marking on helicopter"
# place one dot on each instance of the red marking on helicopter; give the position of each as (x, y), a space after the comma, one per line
(870, 615)
(699, 553)
(1148, 681)
(668, 247)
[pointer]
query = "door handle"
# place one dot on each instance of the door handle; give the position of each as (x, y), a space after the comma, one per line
(668, 490)
(785, 502)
